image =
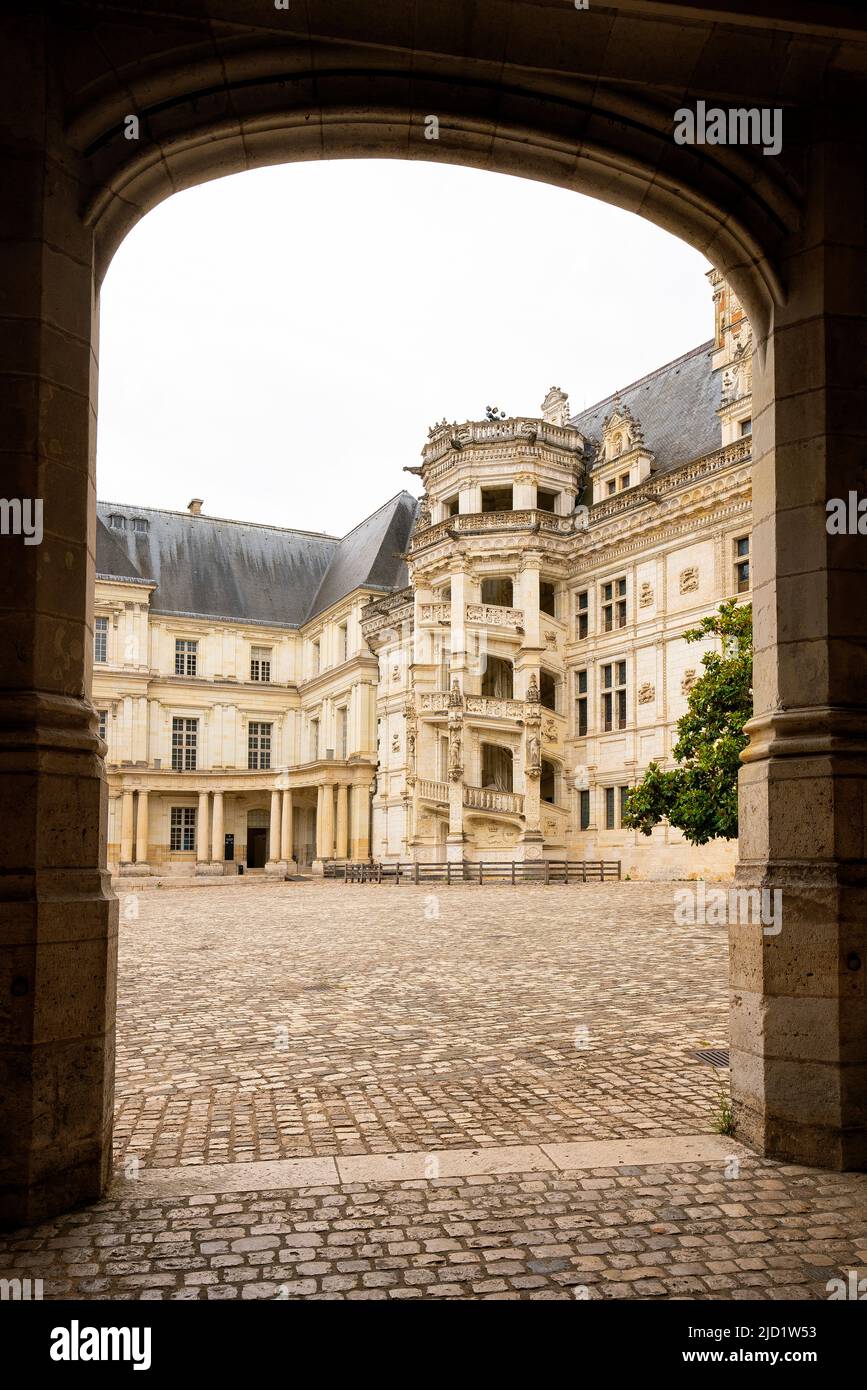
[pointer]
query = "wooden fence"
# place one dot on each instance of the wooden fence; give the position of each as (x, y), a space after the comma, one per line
(485, 871)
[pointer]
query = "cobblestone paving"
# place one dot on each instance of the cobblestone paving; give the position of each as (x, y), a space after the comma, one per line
(260, 1023)
(685, 1231)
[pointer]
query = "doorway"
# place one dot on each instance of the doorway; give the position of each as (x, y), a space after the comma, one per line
(257, 847)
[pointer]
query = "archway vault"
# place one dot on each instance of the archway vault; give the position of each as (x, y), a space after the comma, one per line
(580, 98)
(730, 204)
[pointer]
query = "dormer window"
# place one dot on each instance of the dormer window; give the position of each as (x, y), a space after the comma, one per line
(116, 521)
(616, 445)
(139, 524)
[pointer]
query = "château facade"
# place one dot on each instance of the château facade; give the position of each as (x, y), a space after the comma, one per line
(481, 673)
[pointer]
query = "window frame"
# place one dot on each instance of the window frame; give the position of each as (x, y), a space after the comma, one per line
(260, 734)
(182, 823)
(260, 665)
(100, 639)
(185, 743)
(186, 656)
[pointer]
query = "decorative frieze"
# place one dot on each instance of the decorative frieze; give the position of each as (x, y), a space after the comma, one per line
(491, 615)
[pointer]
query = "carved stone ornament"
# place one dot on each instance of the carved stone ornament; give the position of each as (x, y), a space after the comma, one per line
(646, 693)
(533, 766)
(456, 766)
(689, 580)
(533, 691)
(395, 743)
(645, 595)
(456, 699)
(688, 680)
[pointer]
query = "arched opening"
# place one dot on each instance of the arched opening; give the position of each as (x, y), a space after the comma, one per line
(211, 107)
(497, 767)
(497, 591)
(498, 678)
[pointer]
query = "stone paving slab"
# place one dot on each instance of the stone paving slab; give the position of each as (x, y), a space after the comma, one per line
(311, 1019)
(724, 1228)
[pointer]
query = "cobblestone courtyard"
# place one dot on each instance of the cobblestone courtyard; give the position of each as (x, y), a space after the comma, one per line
(316, 1019)
(526, 1054)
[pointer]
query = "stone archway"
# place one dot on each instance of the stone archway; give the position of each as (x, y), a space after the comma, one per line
(582, 99)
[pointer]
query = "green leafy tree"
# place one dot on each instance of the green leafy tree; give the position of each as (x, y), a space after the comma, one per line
(701, 796)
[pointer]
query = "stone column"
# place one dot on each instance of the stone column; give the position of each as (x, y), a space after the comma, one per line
(218, 842)
(203, 845)
(342, 841)
(327, 841)
(532, 840)
(799, 1001)
(141, 834)
(286, 854)
(457, 753)
(320, 842)
(126, 824)
(58, 915)
(273, 865)
(359, 843)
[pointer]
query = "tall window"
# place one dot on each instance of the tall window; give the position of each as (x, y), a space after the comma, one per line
(581, 703)
(100, 639)
(102, 715)
(183, 828)
(746, 427)
(342, 642)
(185, 739)
(742, 564)
(584, 804)
(342, 731)
(615, 803)
(260, 663)
(259, 746)
(315, 658)
(581, 615)
(314, 739)
(547, 598)
(624, 481)
(186, 657)
(614, 696)
(614, 604)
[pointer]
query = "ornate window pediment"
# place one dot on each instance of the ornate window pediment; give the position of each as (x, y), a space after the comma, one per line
(621, 432)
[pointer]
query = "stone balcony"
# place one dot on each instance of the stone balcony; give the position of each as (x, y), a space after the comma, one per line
(480, 706)
(474, 798)
(493, 615)
(486, 523)
(486, 799)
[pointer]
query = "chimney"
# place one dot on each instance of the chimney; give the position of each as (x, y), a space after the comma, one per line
(195, 507)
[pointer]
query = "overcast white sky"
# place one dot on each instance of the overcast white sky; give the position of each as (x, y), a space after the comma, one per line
(278, 342)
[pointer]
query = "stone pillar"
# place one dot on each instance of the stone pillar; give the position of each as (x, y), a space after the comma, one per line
(342, 838)
(203, 846)
(141, 865)
(218, 841)
(286, 837)
(457, 752)
(126, 824)
(327, 840)
(799, 1001)
(527, 598)
(273, 865)
(58, 915)
(320, 851)
(359, 843)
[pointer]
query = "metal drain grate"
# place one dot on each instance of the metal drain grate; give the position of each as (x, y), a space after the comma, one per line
(714, 1056)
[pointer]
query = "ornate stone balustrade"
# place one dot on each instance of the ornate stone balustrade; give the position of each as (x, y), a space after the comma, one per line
(493, 615)
(435, 612)
(655, 488)
(486, 799)
(492, 708)
(434, 702)
(450, 439)
(530, 519)
(433, 791)
(390, 611)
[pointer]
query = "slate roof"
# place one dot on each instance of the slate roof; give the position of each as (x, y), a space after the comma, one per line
(214, 568)
(675, 406)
